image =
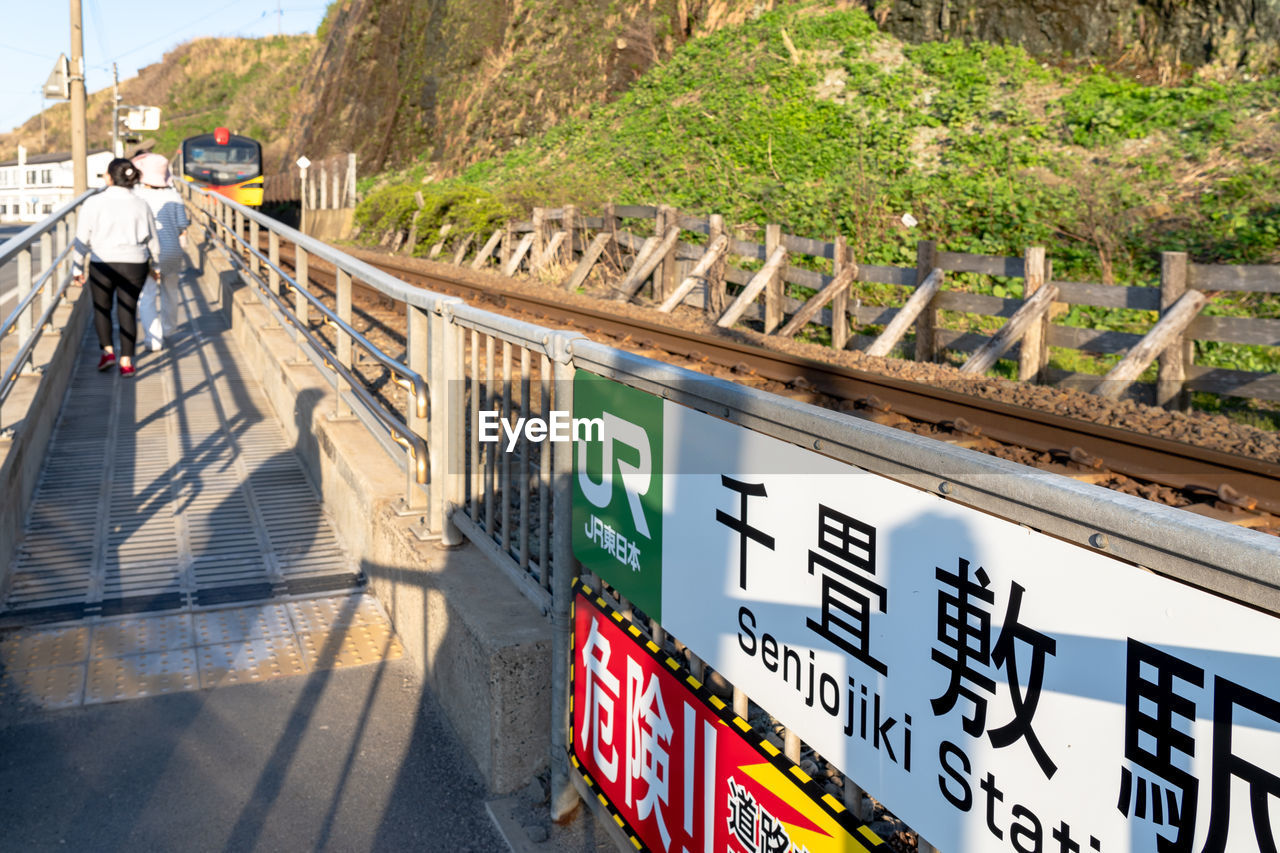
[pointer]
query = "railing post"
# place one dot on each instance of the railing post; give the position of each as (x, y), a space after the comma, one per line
(337, 198)
(254, 267)
(301, 307)
(927, 322)
(238, 219)
(50, 281)
(564, 798)
(1171, 374)
(341, 409)
(324, 186)
(418, 357)
(24, 287)
(444, 384)
(60, 245)
(273, 254)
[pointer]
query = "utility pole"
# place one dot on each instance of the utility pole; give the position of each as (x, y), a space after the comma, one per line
(79, 154)
(116, 148)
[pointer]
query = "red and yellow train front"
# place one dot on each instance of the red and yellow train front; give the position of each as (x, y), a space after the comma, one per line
(228, 164)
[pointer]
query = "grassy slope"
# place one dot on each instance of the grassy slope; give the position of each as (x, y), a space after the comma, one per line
(988, 149)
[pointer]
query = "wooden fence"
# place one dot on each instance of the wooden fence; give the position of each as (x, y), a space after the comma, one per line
(740, 281)
(330, 184)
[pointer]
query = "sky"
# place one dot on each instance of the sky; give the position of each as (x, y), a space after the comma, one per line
(132, 33)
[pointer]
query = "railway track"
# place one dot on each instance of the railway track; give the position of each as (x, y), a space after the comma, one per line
(1239, 489)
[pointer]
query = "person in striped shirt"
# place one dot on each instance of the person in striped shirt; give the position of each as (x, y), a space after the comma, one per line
(171, 226)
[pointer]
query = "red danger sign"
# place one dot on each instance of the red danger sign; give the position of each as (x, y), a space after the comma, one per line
(679, 770)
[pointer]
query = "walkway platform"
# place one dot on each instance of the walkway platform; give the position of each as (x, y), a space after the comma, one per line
(174, 545)
(172, 490)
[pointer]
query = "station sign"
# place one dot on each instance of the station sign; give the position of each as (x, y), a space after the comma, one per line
(677, 769)
(996, 688)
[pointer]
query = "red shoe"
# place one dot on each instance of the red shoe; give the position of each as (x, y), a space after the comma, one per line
(108, 359)
(126, 370)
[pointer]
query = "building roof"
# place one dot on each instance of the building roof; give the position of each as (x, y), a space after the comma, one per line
(56, 157)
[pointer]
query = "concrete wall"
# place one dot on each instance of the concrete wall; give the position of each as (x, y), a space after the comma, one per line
(483, 648)
(330, 225)
(32, 409)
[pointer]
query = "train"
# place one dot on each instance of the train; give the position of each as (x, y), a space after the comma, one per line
(228, 164)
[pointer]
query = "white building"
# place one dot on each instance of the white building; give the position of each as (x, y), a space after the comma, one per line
(33, 186)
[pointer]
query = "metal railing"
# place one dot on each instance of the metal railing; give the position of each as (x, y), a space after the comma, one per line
(517, 506)
(39, 290)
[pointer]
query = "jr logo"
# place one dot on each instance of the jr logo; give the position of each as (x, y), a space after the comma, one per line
(635, 478)
(617, 488)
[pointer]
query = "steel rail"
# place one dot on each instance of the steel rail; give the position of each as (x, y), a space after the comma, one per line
(1146, 457)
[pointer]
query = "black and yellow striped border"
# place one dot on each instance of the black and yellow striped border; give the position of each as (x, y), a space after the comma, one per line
(806, 783)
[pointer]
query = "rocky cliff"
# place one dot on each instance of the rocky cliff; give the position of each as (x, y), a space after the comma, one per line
(454, 81)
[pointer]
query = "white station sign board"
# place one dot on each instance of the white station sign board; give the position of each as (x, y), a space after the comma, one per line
(996, 688)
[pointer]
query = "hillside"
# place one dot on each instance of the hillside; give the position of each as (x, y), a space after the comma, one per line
(817, 120)
(238, 83)
(457, 81)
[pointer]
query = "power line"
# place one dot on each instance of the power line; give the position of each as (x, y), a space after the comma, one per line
(185, 26)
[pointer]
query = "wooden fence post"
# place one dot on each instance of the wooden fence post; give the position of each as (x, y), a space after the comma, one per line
(714, 300)
(664, 280)
(539, 237)
(570, 226)
(351, 180)
(773, 289)
(324, 186)
(840, 304)
(1171, 375)
(1033, 345)
(927, 323)
(508, 244)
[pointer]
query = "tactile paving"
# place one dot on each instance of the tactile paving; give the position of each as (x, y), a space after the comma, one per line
(249, 660)
(352, 645)
(113, 679)
(140, 634)
(241, 623)
(148, 655)
(50, 687)
(321, 614)
(32, 648)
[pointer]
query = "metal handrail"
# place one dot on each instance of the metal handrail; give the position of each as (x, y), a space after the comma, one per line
(27, 347)
(10, 251)
(415, 444)
(383, 282)
(416, 382)
(9, 248)
(36, 287)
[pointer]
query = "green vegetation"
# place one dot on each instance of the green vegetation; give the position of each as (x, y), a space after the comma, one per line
(813, 119)
(471, 210)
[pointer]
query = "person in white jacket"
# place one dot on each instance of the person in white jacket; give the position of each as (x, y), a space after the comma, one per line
(171, 226)
(117, 231)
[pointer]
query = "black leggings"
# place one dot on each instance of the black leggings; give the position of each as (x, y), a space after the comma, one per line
(124, 281)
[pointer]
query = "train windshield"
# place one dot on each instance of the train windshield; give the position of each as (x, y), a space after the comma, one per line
(221, 165)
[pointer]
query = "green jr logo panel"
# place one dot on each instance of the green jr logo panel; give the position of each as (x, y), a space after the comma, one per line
(617, 489)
